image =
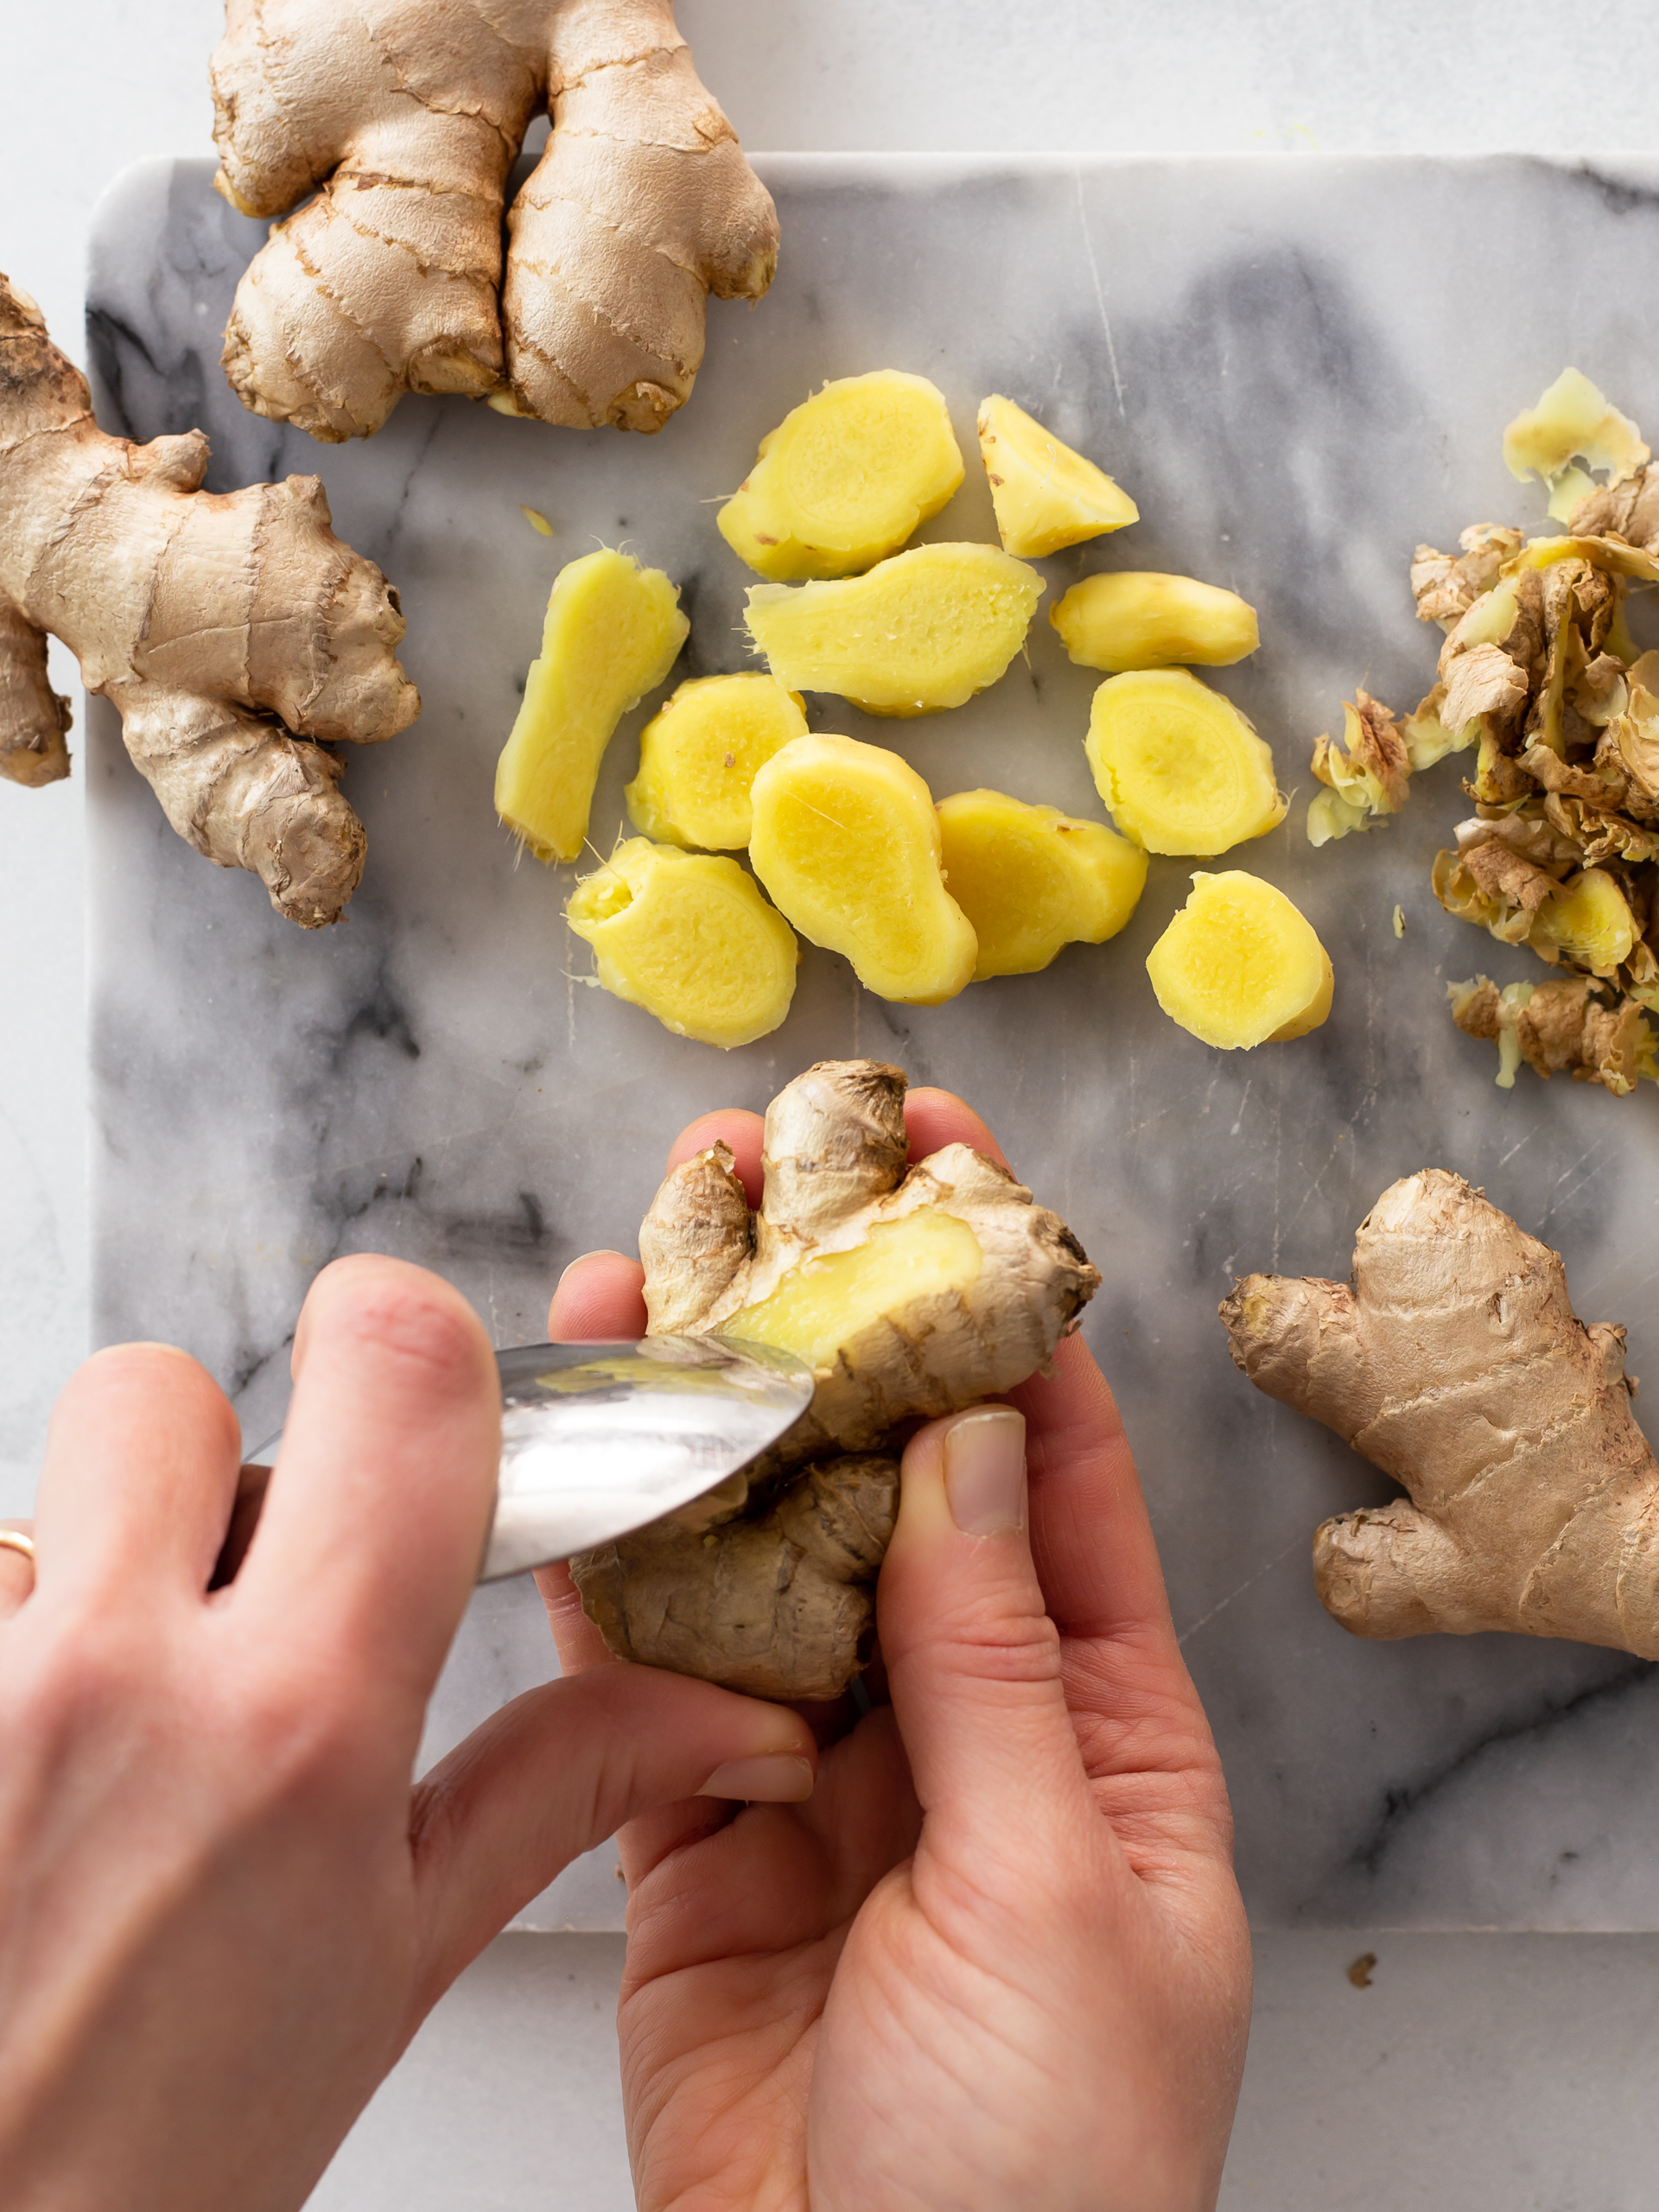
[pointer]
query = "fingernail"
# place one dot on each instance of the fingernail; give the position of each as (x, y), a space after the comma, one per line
(776, 1778)
(985, 1470)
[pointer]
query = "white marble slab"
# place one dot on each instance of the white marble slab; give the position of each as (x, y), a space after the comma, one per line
(1298, 367)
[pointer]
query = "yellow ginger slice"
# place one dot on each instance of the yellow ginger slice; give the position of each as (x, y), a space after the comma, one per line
(1137, 619)
(1031, 879)
(1180, 768)
(1240, 965)
(845, 479)
(847, 843)
(922, 631)
(613, 630)
(688, 937)
(699, 755)
(1045, 496)
(1572, 422)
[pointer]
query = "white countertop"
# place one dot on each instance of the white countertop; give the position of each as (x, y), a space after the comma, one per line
(1508, 2073)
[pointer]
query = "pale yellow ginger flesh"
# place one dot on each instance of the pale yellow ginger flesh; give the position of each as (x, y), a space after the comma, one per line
(688, 937)
(845, 479)
(1572, 422)
(1045, 496)
(1180, 768)
(700, 754)
(392, 131)
(1241, 966)
(911, 1289)
(921, 632)
(613, 631)
(1534, 1496)
(1138, 619)
(1031, 880)
(847, 843)
(234, 634)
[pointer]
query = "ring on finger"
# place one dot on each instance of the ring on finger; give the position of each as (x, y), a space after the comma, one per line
(17, 1539)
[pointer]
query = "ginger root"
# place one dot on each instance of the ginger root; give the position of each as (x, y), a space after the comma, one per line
(403, 124)
(1456, 1363)
(701, 753)
(1240, 965)
(910, 1289)
(922, 631)
(1134, 618)
(1180, 768)
(612, 632)
(1031, 880)
(845, 479)
(1045, 496)
(847, 842)
(688, 937)
(216, 624)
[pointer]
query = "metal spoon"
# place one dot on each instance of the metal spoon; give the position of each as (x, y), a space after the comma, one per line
(599, 1438)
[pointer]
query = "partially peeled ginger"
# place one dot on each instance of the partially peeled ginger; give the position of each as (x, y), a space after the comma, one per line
(1240, 965)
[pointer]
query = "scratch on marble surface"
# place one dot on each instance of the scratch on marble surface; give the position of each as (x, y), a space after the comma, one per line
(1100, 295)
(1296, 1544)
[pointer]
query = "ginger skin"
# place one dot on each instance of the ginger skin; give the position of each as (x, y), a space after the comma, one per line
(914, 1290)
(1533, 1495)
(113, 548)
(405, 124)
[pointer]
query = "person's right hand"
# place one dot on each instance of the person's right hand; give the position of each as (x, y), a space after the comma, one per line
(998, 1961)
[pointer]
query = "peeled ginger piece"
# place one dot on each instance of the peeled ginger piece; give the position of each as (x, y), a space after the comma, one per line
(613, 630)
(1031, 879)
(847, 843)
(922, 631)
(1586, 921)
(845, 477)
(1136, 619)
(1240, 965)
(698, 757)
(1045, 496)
(688, 937)
(1572, 421)
(1180, 768)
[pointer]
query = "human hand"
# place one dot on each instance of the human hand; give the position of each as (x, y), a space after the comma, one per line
(223, 1910)
(998, 1961)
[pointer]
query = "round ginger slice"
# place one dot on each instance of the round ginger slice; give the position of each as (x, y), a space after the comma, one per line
(1031, 880)
(700, 754)
(1139, 619)
(847, 843)
(1181, 769)
(1240, 965)
(688, 937)
(845, 479)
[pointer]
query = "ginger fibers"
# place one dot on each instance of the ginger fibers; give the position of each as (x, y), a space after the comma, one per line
(1240, 965)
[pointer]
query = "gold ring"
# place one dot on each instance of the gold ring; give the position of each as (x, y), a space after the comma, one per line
(14, 1539)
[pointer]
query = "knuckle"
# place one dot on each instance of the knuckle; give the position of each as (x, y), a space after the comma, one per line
(1005, 1646)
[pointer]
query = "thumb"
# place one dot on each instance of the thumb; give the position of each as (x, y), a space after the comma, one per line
(973, 1659)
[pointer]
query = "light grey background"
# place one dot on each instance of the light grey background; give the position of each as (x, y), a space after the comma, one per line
(1512, 2073)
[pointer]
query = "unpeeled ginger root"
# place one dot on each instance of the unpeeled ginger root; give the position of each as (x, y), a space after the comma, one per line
(612, 632)
(921, 632)
(845, 479)
(1045, 496)
(1455, 1362)
(1180, 768)
(1137, 619)
(910, 1290)
(1240, 965)
(701, 753)
(1031, 880)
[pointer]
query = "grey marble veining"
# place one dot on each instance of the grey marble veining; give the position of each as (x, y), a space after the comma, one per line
(1298, 368)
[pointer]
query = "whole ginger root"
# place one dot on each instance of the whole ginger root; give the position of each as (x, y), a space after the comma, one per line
(404, 123)
(1455, 1362)
(218, 624)
(912, 1290)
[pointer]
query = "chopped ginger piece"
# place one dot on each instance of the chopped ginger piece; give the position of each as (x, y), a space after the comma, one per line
(699, 755)
(922, 631)
(847, 843)
(1045, 495)
(1031, 879)
(1587, 922)
(613, 630)
(1180, 768)
(1139, 619)
(845, 479)
(688, 937)
(1572, 422)
(1240, 966)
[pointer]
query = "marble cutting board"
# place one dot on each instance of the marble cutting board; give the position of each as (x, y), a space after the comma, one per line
(1298, 366)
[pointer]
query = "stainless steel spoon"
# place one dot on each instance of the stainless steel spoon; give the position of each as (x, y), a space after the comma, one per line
(599, 1438)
